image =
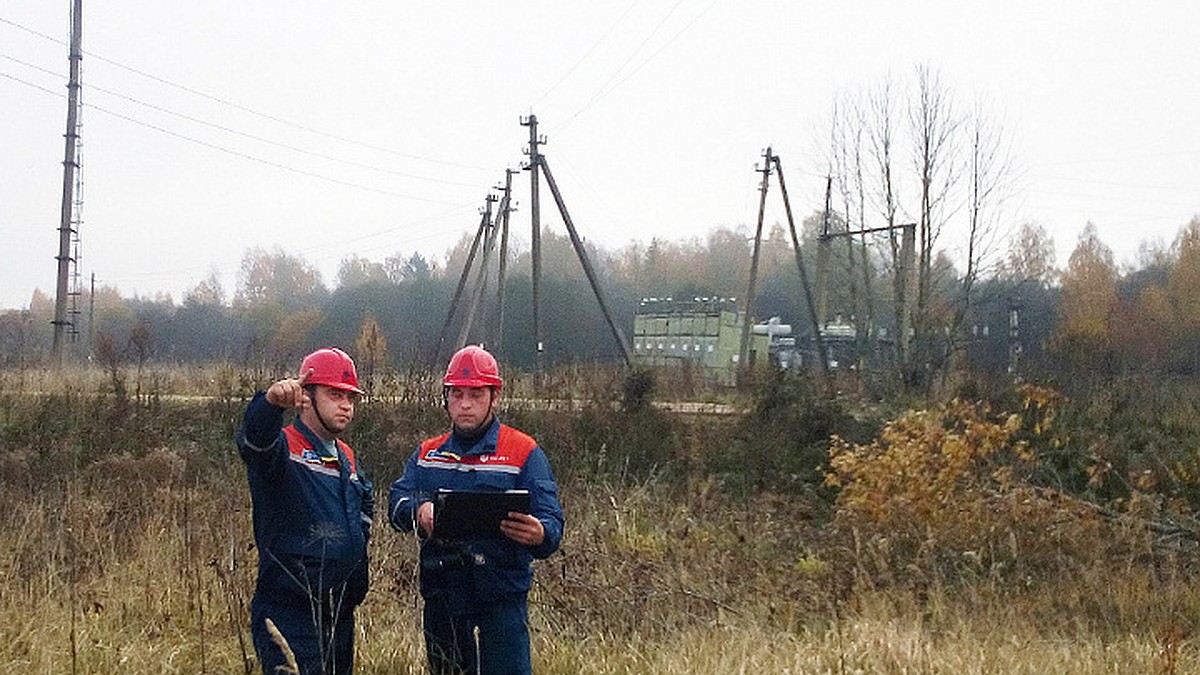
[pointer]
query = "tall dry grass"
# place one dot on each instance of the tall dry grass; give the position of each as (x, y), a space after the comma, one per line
(134, 555)
(707, 587)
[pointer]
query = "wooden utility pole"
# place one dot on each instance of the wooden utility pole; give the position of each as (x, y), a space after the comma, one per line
(751, 289)
(808, 297)
(481, 277)
(904, 270)
(70, 164)
(536, 242)
(537, 161)
(505, 209)
(583, 260)
(823, 259)
(462, 280)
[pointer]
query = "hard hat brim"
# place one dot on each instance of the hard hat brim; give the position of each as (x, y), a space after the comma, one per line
(498, 384)
(343, 386)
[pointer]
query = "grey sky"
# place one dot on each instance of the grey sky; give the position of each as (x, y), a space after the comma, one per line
(374, 127)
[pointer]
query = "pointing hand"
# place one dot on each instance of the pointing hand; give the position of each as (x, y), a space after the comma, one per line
(289, 392)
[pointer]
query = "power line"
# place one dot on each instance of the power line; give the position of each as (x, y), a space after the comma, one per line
(605, 89)
(588, 53)
(243, 134)
(246, 109)
(237, 153)
(182, 272)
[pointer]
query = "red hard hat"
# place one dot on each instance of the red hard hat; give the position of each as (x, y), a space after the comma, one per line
(331, 367)
(472, 366)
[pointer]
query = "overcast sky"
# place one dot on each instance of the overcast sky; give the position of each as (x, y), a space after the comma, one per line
(370, 128)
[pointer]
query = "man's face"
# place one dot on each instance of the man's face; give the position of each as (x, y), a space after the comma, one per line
(336, 407)
(470, 407)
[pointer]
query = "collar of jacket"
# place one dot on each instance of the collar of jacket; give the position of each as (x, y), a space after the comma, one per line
(483, 444)
(319, 445)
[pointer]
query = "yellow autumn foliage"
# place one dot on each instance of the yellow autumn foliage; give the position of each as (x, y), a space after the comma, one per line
(949, 491)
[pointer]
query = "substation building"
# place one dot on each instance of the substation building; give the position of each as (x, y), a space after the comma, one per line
(703, 333)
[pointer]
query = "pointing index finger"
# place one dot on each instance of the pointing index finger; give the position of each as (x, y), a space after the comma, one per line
(304, 377)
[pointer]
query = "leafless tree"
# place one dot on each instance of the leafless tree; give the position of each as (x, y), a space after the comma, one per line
(882, 130)
(935, 128)
(988, 171)
(956, 169)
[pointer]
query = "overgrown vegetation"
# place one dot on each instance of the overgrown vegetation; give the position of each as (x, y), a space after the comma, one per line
(1020, 532)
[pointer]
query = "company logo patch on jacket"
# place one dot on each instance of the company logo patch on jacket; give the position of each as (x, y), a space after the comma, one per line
(301, 451)
(441, 454)
(512, 449)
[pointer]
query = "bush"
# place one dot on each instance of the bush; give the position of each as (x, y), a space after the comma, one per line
(946, 493)
(782, 444)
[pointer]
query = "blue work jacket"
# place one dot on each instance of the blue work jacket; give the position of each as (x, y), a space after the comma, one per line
(470, 575)
(312, 514)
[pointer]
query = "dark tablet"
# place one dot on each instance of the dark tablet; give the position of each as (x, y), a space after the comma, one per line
(466, 514)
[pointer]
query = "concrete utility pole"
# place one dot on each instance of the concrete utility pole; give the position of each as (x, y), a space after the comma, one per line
(744, 349)
(536, 242)
(65, 229)
(505, 209)
(537, 162)
(481, 275)
(808, 297)
(91, 334)
(484, 223)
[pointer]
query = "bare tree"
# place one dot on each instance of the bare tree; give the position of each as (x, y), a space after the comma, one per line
(848, 130)
(988, 172)
(934, 126)
(861, 167)
(881, 137)
(956, 170)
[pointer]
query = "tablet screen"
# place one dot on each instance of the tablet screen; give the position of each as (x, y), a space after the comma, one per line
(467, 514)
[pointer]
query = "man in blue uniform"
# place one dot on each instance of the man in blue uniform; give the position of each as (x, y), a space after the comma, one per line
(475, 591)
(312, 516)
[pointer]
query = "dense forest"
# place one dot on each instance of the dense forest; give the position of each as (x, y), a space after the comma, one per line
(914, 250)
(1027, 316)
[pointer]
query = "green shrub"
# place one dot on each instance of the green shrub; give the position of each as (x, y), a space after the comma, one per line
(782, 444)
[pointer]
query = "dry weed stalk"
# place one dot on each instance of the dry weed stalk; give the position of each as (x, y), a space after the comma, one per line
(278, 639)
(1168, 657)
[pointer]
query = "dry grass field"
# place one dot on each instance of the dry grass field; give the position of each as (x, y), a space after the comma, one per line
(126, 548)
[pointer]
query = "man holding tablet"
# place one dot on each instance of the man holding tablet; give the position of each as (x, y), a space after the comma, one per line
(475, 580)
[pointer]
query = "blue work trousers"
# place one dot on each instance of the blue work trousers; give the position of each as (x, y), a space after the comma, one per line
(494, 641)
(322, 641)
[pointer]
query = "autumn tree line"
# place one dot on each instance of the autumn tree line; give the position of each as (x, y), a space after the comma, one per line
(1091, 314)
(913, 248)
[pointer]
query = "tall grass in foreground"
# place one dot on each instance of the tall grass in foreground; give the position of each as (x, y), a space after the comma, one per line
(127, 548)
(634, 591)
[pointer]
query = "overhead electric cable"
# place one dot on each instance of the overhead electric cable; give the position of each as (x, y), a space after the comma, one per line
(243, 134)
(236, 153)
(588, 53)
(245, 109)
(180, 272)
(605, 89)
